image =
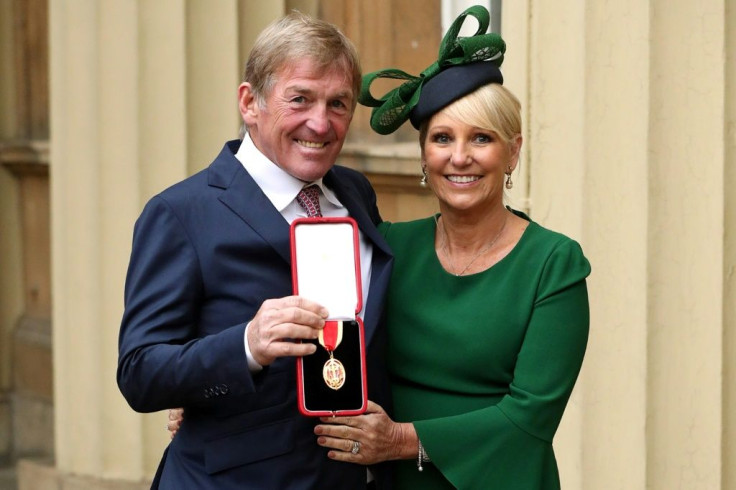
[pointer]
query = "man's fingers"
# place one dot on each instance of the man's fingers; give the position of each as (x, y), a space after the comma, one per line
(287, 348)
(300, 316)
(176, 414)
(279, 323)
(296, 302)
(293, 349)
(291, 331)
(289, 322)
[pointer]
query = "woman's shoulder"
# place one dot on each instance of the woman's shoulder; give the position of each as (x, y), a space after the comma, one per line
(550, 238)
(552, 248)
(541, 235)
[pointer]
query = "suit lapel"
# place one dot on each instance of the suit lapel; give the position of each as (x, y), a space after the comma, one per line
(243, 196)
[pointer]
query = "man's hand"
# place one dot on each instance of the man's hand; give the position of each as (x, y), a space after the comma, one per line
(176, 415)
(278, 323)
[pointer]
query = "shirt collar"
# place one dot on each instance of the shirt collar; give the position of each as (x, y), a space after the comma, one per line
(279, 186)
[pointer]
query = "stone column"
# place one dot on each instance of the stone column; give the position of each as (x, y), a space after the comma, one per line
(11, 301)
(142, 95)
(685, 245)
(616, 92)
(729, 259)
(628, 107)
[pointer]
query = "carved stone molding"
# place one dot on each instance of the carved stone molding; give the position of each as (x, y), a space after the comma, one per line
(29, 157)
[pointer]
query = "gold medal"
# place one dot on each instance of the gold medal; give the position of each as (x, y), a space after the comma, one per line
(333, 371)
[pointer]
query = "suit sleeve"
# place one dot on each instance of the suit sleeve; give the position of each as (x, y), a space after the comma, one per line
(512, 440)
(162, 362)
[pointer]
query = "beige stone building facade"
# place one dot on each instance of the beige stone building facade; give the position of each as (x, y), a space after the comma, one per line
(630, 148)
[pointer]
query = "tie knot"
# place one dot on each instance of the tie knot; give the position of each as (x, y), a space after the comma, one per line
(308, 198)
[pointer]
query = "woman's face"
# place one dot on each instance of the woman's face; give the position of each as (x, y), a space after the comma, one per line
(466, 165)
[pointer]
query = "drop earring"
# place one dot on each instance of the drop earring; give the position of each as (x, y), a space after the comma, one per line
(423, 182)
(509, 183)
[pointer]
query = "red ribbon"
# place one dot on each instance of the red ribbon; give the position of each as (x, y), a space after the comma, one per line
(330, 335)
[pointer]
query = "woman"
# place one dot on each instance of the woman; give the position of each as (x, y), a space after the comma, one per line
(487, 312)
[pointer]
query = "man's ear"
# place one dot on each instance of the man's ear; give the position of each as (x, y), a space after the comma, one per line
(247, 104)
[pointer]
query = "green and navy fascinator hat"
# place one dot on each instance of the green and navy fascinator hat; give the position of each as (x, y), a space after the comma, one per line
(463, 65)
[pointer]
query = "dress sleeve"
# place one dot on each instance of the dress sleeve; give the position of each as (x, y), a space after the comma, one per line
(511, 442)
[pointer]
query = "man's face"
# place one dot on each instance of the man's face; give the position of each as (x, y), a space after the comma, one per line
(302, 124)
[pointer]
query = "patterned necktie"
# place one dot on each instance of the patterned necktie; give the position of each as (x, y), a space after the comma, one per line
(308, 198)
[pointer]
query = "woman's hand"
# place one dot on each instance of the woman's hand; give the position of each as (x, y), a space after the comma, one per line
(367, 439)
(176, 415)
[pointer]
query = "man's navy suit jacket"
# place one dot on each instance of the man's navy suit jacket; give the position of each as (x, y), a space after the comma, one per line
(206, 253)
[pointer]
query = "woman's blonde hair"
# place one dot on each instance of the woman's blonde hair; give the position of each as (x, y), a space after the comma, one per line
(492, 107)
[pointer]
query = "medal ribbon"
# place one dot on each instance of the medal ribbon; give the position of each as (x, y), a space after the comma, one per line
(331, 336)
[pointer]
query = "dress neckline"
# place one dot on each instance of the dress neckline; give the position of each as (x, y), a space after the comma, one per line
(438, 263)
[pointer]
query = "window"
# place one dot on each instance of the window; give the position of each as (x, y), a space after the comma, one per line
(452, 8)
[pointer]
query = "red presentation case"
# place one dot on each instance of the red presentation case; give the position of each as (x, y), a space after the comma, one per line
(325, 267)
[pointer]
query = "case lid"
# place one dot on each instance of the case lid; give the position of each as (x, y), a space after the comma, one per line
(325, 261)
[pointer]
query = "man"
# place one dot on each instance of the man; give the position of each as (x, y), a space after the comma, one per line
(209, 322)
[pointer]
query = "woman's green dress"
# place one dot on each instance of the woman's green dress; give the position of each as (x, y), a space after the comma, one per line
(484, 364)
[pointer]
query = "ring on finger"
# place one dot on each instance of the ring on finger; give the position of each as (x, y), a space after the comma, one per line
(356, 447)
